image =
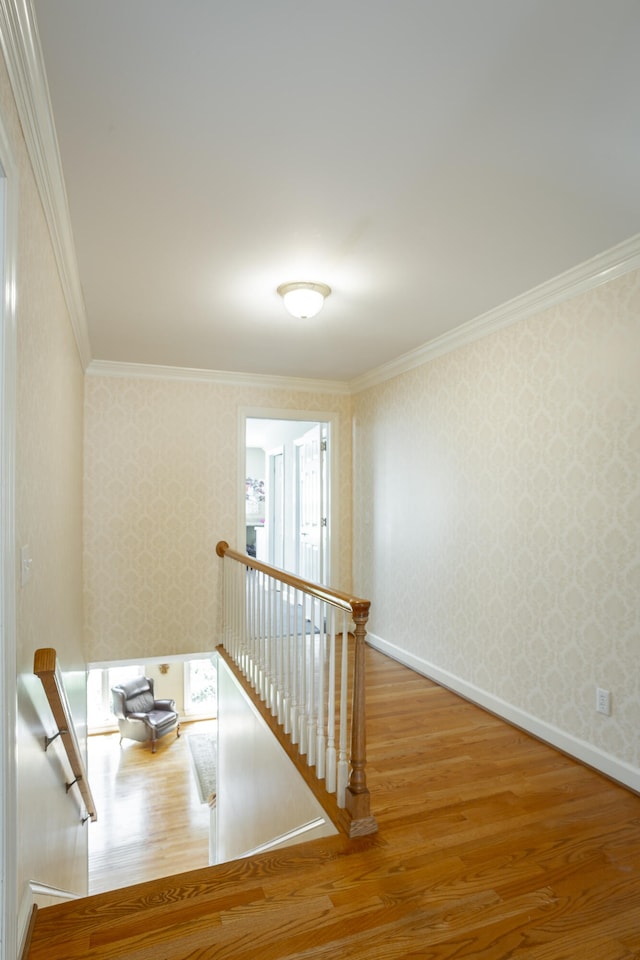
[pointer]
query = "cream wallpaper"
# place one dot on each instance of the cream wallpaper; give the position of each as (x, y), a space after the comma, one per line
(495, 503)
(161, 487)
(51, 842)
(497, 515)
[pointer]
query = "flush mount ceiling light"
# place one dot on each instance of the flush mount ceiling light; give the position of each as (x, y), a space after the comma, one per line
(304, 300)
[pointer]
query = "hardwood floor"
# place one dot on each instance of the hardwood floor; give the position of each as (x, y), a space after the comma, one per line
(491, 846)
(151, 822)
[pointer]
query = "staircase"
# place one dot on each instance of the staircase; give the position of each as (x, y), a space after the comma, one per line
(491, 844)
(295, 653)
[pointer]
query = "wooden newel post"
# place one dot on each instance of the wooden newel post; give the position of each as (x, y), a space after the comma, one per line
(357, 793)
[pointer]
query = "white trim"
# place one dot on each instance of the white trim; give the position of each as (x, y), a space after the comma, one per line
(45, 890)
(150, 371)
(171, 658)
(34, 889)
(24, 912)
(588, 754)
(286, 838)
(25, 65)
(600, 269)
(606, 266)
(8, 556)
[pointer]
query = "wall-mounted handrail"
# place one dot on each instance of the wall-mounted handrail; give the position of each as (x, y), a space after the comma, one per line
(45, 666)
(302, 680)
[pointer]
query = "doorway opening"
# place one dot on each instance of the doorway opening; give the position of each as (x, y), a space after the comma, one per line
(288, 501)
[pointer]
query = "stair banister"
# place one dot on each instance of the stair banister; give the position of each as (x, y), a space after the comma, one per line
(277, 675)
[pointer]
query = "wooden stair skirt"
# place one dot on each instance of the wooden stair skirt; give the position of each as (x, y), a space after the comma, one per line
(355, 819)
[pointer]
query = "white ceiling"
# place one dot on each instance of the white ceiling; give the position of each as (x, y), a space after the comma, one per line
(428, 159)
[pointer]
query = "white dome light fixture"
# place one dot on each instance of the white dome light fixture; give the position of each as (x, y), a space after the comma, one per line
(304, 300)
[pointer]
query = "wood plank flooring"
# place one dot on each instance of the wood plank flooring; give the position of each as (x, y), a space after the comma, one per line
(151, 822)
(491, 845)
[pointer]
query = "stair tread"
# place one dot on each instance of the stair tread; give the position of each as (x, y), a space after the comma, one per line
(156, 906)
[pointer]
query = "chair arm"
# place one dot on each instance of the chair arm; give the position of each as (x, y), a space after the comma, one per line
(165, 705)
(136, 716)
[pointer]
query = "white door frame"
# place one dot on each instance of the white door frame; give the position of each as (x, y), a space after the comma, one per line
(317, 448)
(8, 554)
(274, 520)
(333, 499)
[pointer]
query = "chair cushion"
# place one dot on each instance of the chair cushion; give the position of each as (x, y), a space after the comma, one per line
(142, 702)
(135, 686)
(161, 718)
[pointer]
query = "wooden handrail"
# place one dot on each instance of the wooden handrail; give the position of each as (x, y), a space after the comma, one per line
(342, 600)
(356, 795)
(45, 666)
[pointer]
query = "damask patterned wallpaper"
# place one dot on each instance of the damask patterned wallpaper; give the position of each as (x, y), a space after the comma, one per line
(497, 516)
(48, 520)
(162, 482)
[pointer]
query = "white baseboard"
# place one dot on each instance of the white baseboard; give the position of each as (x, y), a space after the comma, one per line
(581, 750)
(25, 909)
(30, 892)
(288, 838)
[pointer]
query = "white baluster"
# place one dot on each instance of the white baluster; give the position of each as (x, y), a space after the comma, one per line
(236, 613)
(242, 599)
(271, 647)
(262, 628)
(252, 666)
(280, 635)
(311, 690)
(330, 776)
(304, 675)
(253, 633)
(295, 667)
(322, 653)
(286, 659)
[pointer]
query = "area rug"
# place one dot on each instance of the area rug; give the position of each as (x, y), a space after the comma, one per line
(203, 748)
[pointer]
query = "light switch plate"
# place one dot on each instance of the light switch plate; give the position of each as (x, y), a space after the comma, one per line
(26, 562)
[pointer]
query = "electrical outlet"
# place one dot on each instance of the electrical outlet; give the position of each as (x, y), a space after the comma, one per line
(603, 701)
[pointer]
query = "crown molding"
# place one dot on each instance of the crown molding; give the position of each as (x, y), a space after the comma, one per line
(600, 269)
(149, 371)
(25, 65)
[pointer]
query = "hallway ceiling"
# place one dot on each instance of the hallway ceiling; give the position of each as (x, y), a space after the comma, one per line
(428, 159)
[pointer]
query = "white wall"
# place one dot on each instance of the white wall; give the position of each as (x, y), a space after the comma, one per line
(261, 796)
(497, 521)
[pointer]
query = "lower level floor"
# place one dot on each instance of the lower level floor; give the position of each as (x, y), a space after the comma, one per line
(491, 845)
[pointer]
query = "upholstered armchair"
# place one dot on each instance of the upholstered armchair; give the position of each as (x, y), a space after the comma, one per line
(140, 716)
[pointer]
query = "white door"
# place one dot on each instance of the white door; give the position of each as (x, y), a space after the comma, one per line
(312, 555)
(276, 507)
